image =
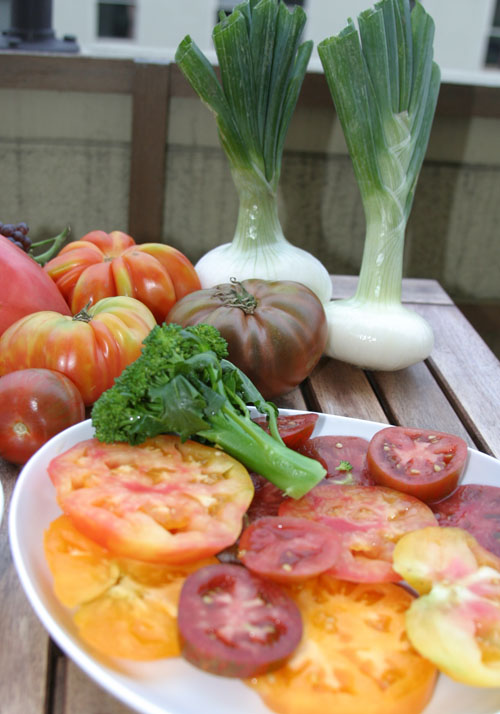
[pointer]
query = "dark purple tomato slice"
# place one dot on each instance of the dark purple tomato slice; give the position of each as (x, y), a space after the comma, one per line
(476, 509)
(287, 549)
(343, 457)
(234, 623)
(267, 498)
(293, 428)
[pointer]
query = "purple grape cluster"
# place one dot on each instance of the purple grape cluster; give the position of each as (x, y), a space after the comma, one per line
(17, 233)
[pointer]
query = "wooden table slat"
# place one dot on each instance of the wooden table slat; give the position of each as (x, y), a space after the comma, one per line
(469, 374)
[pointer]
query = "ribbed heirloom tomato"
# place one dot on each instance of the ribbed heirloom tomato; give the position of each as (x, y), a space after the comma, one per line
(103, 265)
(91, 348)
(276, 330)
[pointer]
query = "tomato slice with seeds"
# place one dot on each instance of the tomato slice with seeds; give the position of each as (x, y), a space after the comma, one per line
(234, 623)
(424, 463)
(354, 657)
(123, 608)
(293, 428)
(162, 501)
(287, 549)
(367, 521)
(475, 508)
(343, 457)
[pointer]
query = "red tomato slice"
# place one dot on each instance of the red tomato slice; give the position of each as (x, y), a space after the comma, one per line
(476, 509)
(343, 457)
(163, 501)
(426, 464)
(233, 623)
(267, 498)
(367, 521)
(294, 429)
(287, 549)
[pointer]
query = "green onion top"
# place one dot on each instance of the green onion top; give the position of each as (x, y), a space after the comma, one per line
(262, 65)
(385, 85)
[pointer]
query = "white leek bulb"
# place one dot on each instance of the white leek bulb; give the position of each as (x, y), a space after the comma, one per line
(371, 336)
(260, 250)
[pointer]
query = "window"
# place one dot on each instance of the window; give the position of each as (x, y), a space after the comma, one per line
(492, 58)
(115, 20)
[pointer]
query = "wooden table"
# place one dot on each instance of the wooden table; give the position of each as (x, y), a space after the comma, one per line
(456, 390)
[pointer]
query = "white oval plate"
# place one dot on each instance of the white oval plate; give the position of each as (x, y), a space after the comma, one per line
(172, 686)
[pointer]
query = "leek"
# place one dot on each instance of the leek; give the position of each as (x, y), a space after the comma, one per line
(384, 84)
(262, 65)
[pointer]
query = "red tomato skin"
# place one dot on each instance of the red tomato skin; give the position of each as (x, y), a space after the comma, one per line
(35, 404)
(210, 630)
(24, 286)
(286, 549)
(294, 429)
(431, 463)
(90, 353)
(104, 264)
(476, 509)
(276, 341)
(330, 451)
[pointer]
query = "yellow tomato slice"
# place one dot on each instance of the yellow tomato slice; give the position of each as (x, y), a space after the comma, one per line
(354, 656)
(123, 608)
(162, 501)
(456, 621)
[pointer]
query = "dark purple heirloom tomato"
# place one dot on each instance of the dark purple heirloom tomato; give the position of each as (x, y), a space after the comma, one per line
(276, 330)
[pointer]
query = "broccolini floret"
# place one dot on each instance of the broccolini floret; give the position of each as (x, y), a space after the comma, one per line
(183, 384)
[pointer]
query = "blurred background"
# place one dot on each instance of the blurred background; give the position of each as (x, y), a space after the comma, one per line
(98, 129)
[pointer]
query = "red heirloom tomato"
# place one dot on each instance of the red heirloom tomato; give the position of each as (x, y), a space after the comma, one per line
(35, 404)
(476, 509)
(426, 464)
(24, 287)
(366, 520)
(354, 658)
(107, 264)
(276, 330)
(91, 348)
(344, 457)
(163, 501)
(234, 623)
(287, 549)
(455, 623)
(294, 429)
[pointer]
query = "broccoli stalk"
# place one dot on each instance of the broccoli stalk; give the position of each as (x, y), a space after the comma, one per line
(182, 384)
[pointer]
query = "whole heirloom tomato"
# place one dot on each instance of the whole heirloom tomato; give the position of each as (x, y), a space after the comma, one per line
(107, 264)
(276, 330)
(91, 348)
(24, 286)
(35, 404)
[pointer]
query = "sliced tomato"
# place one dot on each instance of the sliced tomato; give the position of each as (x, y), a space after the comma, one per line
(234, 623)
(367, 521)
(293, 428)
(287, 549)
(162, 501)
(455, 623)
(343, 457)
(476, 509)
(354, 656)
(426, 464)
(266, 500)
(123, 608)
